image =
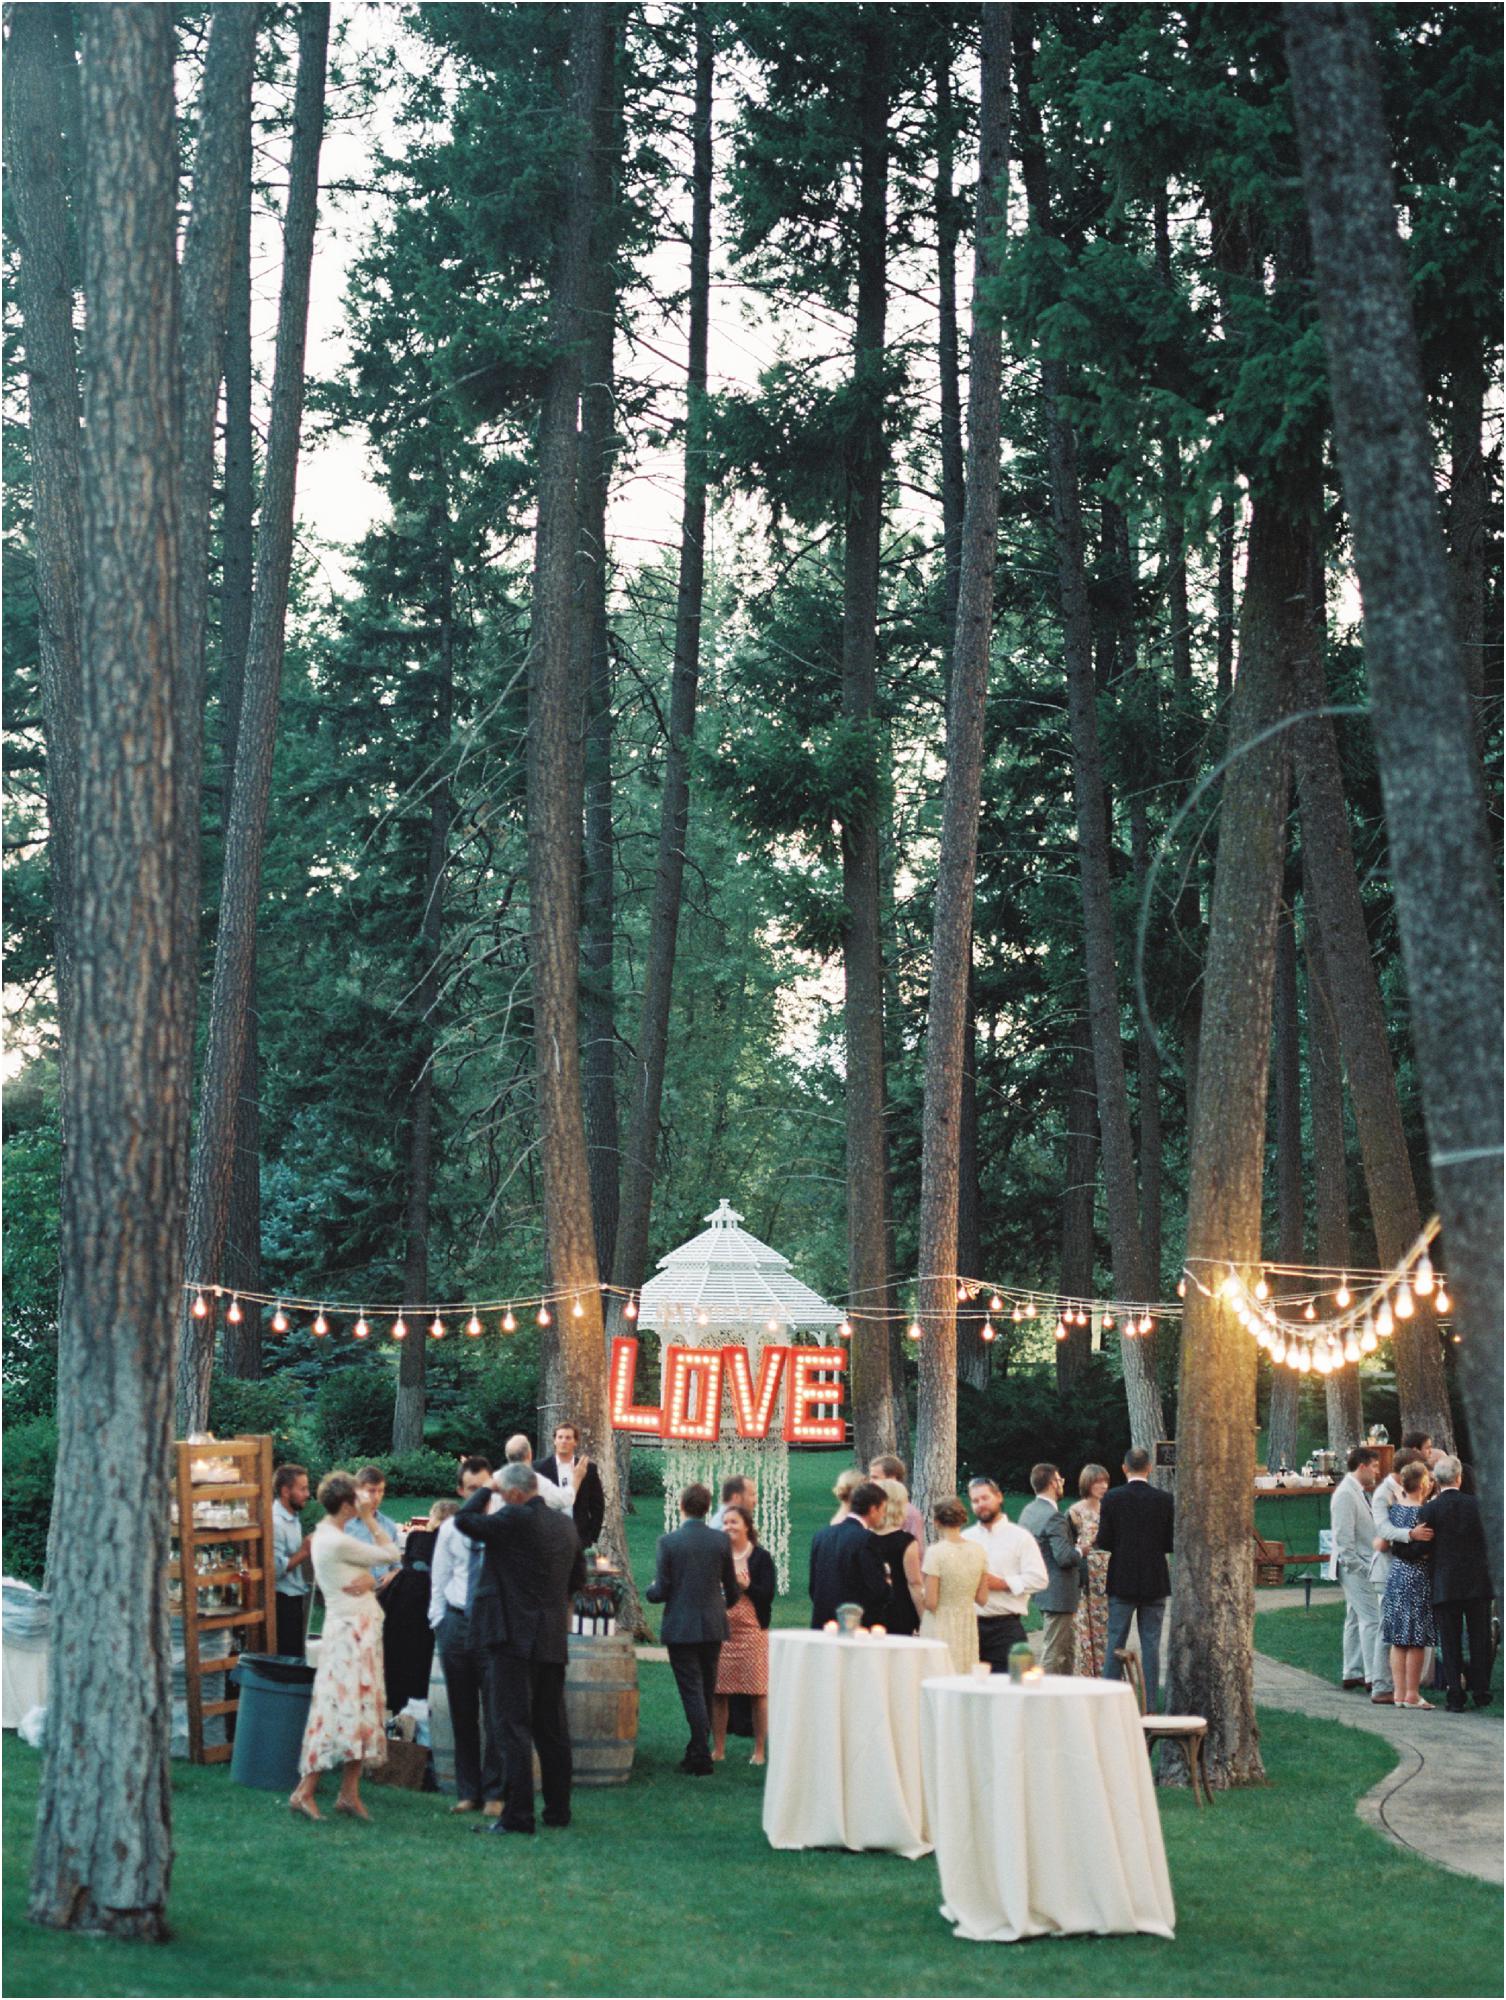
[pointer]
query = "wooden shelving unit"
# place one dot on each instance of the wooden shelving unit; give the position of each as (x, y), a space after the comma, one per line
(254, 1617)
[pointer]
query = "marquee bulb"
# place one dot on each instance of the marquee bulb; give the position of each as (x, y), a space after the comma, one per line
(1341, 1296)
(321, 1325)
(1422, 1278)
(473, 1326)
(235, 1315)
(1404, 1300)
(361, 1330)
(279, 1320)
(1442, 1303)
(200, 1307)
(399, 1329)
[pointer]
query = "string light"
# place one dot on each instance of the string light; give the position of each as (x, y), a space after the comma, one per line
(361, 1330)
(844, 1330)
(321, 1325)
(630, 1310)
(1018, 1314)
(996, 1304)
(1181, 1288)
(1309, 1311)
(544, 1316)
(509, 1321)
(473, 1326)
(1403, 1300)
(1422, 1278)
(1369, 1339)
(1147, 1324)
(200, 1306)
(235, 1315)
(912, 1331)
(577, 1311)
(990, 1332)
(436, 1328)
(279, 1320)
(1385, 1322)
(1061, 1329)
(1108, 1322)
(1442, 1303)
(1262, 1289)
(399, 1328)
(1341, 1296)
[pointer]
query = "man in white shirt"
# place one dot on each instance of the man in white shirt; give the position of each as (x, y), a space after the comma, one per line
(1015, 1572)
(518, 1451)
(1353, 1534)
(452, 1574)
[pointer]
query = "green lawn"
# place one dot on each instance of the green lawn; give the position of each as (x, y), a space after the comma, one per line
(1313, 1639)
(666, 1886)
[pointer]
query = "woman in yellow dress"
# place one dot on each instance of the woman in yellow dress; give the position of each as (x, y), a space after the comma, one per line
(953, 1572)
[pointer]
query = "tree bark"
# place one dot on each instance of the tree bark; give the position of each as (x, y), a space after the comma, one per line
(640, 1156)
(1469, 516)
(934, 1473)
(1147, 1077)
(1131, 1283)
(1283, 1420)
(103, 1851)
(1078, 1198)
(1213, 1611)
(862, 940)
(1330, 1173)
(1446, 894)
(1228, 529)
(240, 1347)
(245, 832)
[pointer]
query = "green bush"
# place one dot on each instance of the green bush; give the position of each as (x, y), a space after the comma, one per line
(352, 1415)
(423, 1473)
(497, 1395)
(646, 1472)
(277, 1405)
(31, 1458)
(1022, 1419)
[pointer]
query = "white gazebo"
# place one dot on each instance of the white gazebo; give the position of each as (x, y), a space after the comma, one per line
(725, 1287)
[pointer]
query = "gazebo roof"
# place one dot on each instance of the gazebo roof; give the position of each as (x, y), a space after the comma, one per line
(734, 1280)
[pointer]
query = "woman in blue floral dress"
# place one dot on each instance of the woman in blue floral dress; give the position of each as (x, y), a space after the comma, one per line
(1407, 1607)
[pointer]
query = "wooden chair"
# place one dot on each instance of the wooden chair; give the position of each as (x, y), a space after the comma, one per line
(1187, 1730)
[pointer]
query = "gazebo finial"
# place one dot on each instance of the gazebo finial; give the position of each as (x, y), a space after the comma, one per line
(723, 1216)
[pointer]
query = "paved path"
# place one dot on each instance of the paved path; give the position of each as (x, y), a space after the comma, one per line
(1444, 1799)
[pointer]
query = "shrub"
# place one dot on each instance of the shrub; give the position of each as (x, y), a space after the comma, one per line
(251, 1409)
(1005, 1429)
(497, 1395)
(31, 1459)
(423, 1473)
(646, 1472)
(352, 1415)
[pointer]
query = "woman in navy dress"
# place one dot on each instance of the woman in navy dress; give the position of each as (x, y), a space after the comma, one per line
(1407, 1607)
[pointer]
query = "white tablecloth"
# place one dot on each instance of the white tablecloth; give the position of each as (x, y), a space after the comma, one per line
(1042, 1808)
(844, 1741)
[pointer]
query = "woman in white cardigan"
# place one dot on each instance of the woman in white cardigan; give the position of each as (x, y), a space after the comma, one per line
(348, 1712)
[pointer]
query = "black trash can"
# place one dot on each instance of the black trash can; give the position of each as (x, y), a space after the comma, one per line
(275, 1690)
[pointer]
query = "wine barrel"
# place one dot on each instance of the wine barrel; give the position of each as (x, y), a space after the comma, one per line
(441, 1734)
(601, 1701)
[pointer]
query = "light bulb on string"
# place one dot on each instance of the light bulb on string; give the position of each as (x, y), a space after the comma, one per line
(279, 1319)
(1385, 1322)
(361, 1329)
(321, 1324)
(1108, 1322)
(1341, 1296)
(509, 1321)
(996, 1304)
(399, 1328)
(1018, 1314)
(989, 1331)
(771, 1326)
(913, 1330)
(1181, 1288)
(1061, 1329)
(703, 1319)
(1032, 1310)
(544, 1315)
(630, 1310)
(1403, 1301)
(1147, 1324)
(200, 1306)
(1304, 1362)
(1262, 1289)
(436, 1328)
(234, 1314)
(962, 1295)
(1442, 1303)
(577, 1311)
(473, 1326)
(1368, 1338)
(1351, 1346)
(1457, 1338)
(1423, 1279)
(844, 1330)
(1309, 1311)
(1278, 1350)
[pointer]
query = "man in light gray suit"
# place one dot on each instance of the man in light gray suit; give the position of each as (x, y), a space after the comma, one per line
(1353, 1554)
(1065, 1565)
(696, 1582)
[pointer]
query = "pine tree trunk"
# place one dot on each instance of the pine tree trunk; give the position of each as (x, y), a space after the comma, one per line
(972, 1353)
(1081, 1121)
(640, 1154)
(1469, 515)
(245, 832)
(1228, 530)
(576, 1386)
(1147, 1077)
(1213, 1611)
(862, 942)
(1330, 1174)
(241, 1343)
(1284, 1417)
(1447, 897)
(103, 1851)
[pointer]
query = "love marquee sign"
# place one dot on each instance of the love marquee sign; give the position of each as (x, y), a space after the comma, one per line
(693, 1379)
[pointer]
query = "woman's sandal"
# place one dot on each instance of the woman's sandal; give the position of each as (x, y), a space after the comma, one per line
(306, 1809)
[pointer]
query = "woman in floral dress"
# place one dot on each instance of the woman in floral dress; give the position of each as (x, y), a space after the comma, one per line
(1091, 1629)
(347, 1715)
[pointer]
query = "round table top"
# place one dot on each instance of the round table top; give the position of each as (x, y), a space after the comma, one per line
(1049, 1687)
(891, 1641)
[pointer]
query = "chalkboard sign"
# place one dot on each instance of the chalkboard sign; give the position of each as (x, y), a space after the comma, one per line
(1166, 1454)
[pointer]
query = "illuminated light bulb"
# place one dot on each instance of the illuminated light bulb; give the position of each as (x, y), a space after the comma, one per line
(509, 1322)
(399, 1329)
(1457, 1338)
(913, 1330)
(1262, 1289)
(436, 1328)
(1423, 1279)
(361, 1329)
(1181, 1288)
(1309, 1311)
(1351, 1347)
(1320, 1362)
(1404, 1306)
(544, 1315)
(200, 1307)
(996, 1305)
(1442, 1303)
(1341, 1296)
(473, 1326)
(1018, 1314)
(1230, 1286)
(1032, 1310)
(702, 1319)
(1147, 1324)
(990, 1332)
(1082, 1317)
(630, 1310)
(844, 1330)
(1368, 1341)
(577, 1311)
(1061, 1329)
(279, 1319)
(1108, 1322)
(962, 1295)
(1385, 1322)
(1304, 1362)
(321, 1325)
(235, 1315)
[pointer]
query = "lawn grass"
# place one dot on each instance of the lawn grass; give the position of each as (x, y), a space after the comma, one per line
(1313, 1639)
(666, 1886)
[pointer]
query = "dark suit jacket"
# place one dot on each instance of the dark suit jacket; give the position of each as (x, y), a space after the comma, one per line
(762, 1584)
(590, 1501)
(533, 1569)
(847, 1567)
(1135, 1526)
(695, 1582)
(1461, 1565)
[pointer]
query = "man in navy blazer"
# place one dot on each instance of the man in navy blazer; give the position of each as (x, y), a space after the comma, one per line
(696, 1582)
(1135, 1526)
(1461, 1584)
(846, 1565)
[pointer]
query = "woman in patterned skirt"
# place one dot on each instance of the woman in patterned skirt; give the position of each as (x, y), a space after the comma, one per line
(1407, 1607)
(1091, 1629)
(744, 1664)
(348, 1711)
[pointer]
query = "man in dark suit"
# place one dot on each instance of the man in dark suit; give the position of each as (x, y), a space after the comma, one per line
(567, 1467)
(520, 1617)
(696, 1582)
(1461, 1584)
(846, 1565)
(1135, 1526)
